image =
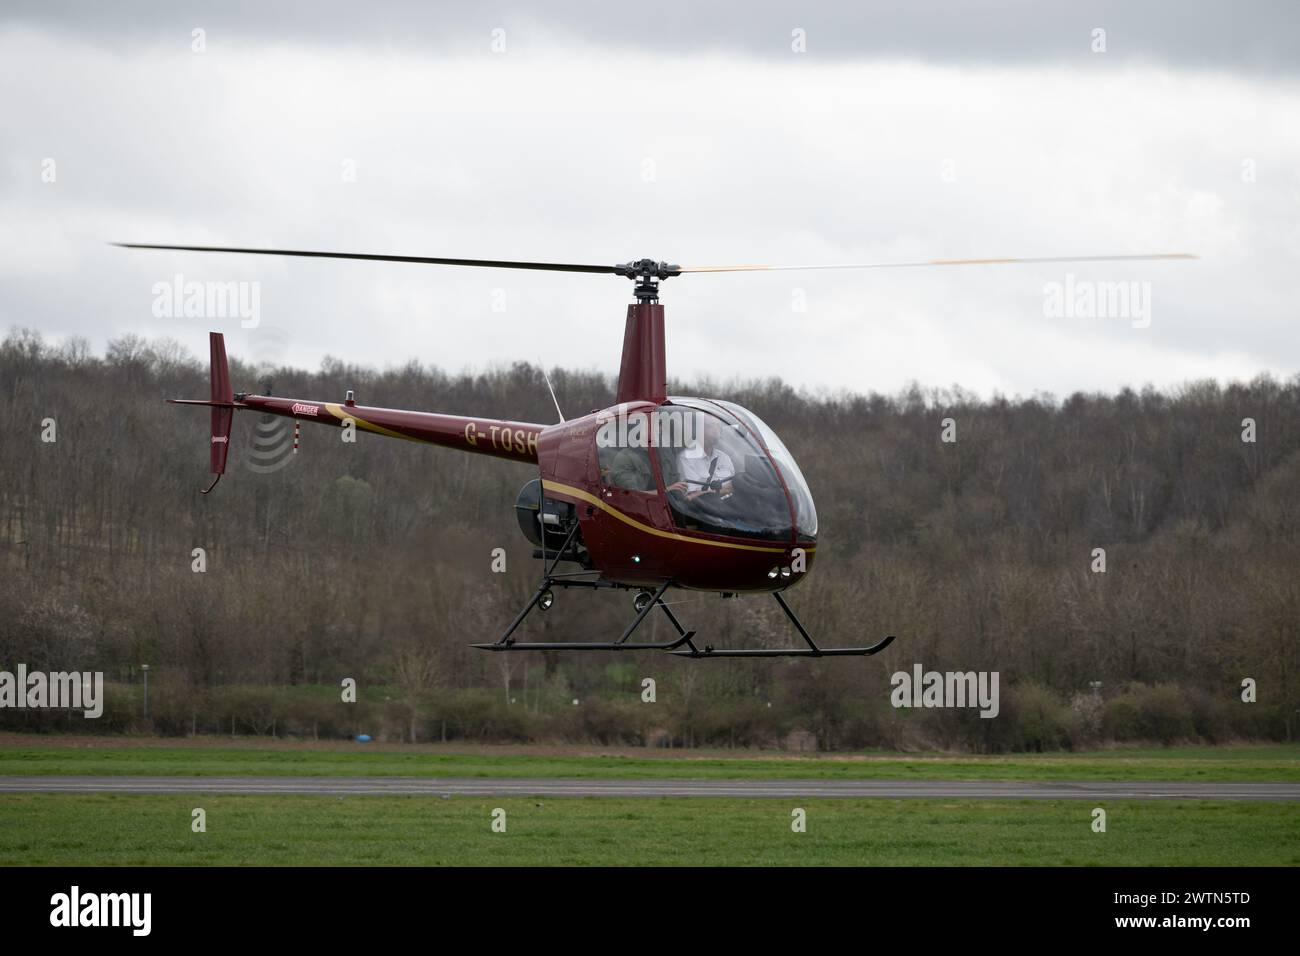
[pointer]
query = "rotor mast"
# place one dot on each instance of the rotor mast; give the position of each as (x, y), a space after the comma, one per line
(643, 372)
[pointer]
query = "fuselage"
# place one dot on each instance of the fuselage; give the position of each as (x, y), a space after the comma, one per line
(694, 491)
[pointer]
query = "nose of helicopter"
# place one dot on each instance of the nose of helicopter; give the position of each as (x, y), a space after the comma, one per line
(793, 567)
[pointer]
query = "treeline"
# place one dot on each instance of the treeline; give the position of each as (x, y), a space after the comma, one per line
(372, 561)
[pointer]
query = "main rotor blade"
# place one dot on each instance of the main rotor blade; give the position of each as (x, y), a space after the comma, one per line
(426, 260)
(644, 266)
(938, 262)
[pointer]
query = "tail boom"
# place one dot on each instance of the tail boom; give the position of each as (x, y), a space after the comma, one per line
(516, 441)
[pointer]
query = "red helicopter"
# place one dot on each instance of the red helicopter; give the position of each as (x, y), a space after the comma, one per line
(652, 493)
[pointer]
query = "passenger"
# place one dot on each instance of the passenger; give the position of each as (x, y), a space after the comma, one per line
(631, 470)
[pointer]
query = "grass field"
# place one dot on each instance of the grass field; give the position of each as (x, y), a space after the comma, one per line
(215, 757)
(105, 830)
(127, 830)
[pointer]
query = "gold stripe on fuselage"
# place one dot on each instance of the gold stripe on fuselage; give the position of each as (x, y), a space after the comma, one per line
(338, 412)
(609, 509)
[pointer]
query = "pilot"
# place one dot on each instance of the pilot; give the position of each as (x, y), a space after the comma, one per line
(703, 468)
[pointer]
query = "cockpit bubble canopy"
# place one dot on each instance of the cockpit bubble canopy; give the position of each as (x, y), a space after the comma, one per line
(726, 472)
(805, 512)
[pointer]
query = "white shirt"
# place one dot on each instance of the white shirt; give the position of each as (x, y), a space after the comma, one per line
(693, 466)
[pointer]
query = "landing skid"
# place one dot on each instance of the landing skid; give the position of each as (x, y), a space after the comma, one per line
(683, 646)
(788, 651)
(812, 650)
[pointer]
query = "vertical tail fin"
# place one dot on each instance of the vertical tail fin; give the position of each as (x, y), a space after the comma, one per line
(223, 411)
(222, 404)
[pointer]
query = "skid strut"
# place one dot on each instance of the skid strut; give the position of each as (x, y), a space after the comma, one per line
(507, 643)
(552, 580)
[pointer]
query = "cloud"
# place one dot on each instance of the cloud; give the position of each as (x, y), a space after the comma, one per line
(1262, 37)
(567, 149)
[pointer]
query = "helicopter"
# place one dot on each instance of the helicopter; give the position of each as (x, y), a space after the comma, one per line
(652, 493)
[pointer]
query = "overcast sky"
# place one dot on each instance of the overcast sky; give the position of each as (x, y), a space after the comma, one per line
(693, 133)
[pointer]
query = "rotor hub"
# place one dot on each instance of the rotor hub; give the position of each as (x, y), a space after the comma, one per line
(647, 273)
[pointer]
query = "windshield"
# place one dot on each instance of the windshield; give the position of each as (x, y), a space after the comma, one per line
(716, 477)
(805, 513)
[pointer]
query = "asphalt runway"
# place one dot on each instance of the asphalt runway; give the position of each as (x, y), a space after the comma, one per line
(541, 787)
